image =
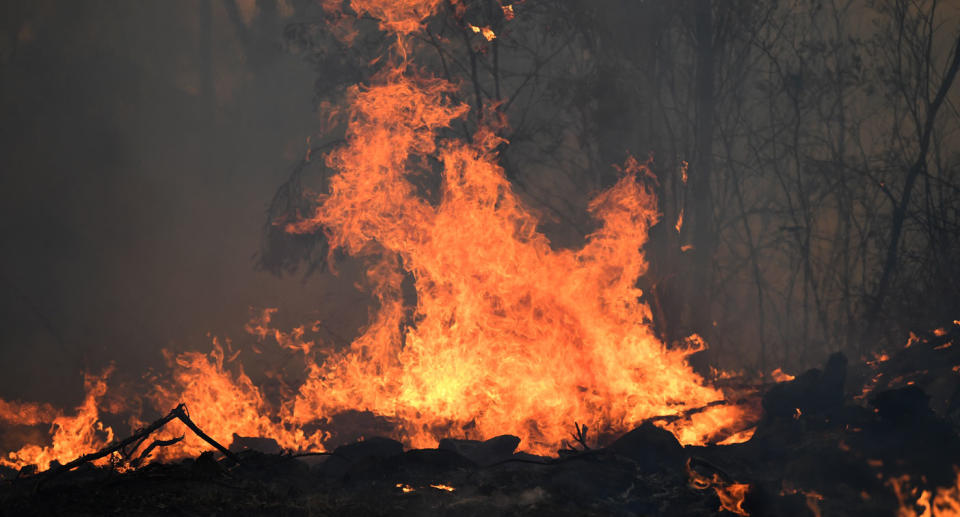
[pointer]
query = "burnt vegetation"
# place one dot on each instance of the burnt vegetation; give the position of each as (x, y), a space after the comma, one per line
(866, 440)
(803, 152)
(804, 157)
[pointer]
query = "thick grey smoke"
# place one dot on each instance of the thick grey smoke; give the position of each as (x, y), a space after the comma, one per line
(139, 145)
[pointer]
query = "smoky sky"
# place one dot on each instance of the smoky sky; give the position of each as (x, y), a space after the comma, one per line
(140, 143)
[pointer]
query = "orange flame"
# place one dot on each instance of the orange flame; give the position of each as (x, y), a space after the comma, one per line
(259, 326)
(510, 334)
(399, 16)
(779, 375)
(732, 495)
(222, 403)
(741, 437)
(72, 436)
(486, 32)
(941, 502)
(27, 413)
(506, 334)
(813, 499)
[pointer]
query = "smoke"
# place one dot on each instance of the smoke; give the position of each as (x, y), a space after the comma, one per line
(138, 156)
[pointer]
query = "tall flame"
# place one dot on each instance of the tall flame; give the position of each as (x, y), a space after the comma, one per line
(941, 502)
(505, 335)
(71, 436)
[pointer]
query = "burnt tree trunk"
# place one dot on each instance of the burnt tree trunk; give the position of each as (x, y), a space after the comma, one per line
(701, 278)
(900, 210)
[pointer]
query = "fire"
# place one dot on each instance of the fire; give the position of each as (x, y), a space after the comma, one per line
(741, 437)
(396, 16)
(779, 375)
(732, 495)
(510, 334)
(941, 502)
(260, 327)
(813, 499)
(222, 403)
(486, 32)
(914, 339)
(25, 413)
(506, 334)
(72, 436)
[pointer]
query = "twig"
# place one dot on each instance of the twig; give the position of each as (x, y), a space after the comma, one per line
(522, 460)
(106, 451)
(304, 454)
(686, 414)
(129, 453)
(154, 445)
(181, 413)
(695, 462)
(581, 435)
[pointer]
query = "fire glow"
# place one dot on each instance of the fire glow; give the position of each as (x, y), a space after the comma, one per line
(506, 334)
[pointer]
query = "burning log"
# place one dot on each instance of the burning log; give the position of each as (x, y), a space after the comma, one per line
(651, 447)
(813, 392)
(485, 453)
(178, 413)
(259, 444)
(181, 414)
(510, 333)
(831, 459)
(153, 445)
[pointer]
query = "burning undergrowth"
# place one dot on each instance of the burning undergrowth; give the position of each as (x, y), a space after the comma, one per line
(504, 333)
(823, 446)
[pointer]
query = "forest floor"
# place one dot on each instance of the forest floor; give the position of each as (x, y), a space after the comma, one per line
(865, 439)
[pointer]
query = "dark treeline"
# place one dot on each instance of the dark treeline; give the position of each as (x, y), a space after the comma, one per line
(809, 148)
(141, 142)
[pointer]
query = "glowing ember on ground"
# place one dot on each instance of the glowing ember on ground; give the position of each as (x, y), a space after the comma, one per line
(779, 375)
(943, 501)
(731, 495)
(813, 499)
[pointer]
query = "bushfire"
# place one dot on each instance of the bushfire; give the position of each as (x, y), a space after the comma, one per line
(505, 333)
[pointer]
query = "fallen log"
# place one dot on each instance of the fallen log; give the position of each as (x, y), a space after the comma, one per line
(156, 443)
(181, 413)
(178, 413)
